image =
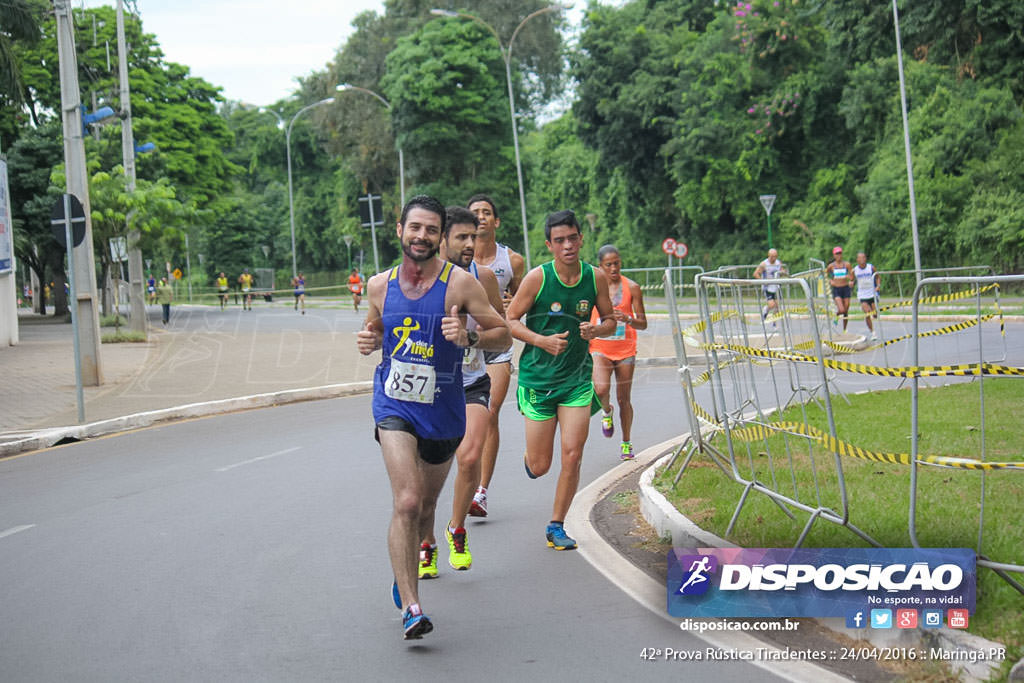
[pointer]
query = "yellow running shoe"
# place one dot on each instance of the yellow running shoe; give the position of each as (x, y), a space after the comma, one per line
(428, 561)
(458, 557)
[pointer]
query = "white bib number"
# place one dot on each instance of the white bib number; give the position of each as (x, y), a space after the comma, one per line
(410, 382)
(620, 331)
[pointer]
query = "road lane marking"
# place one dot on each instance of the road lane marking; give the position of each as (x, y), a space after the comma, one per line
(15, 530)
(257, 459)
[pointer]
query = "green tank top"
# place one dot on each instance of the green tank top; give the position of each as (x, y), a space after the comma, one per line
(559, 308)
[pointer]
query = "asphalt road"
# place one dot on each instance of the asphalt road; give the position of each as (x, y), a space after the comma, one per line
(251, 547)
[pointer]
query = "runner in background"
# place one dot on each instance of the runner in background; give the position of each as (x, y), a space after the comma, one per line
(840, 278)
(509, 267)
(245, 282)
(868, 286)
(355, 285)
(770, 269)
(222, 290)
(299, 283)
(617, 353)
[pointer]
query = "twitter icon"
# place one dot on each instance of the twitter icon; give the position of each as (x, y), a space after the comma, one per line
(881, 618)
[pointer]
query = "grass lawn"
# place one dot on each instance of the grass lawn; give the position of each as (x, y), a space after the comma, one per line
(949, 500)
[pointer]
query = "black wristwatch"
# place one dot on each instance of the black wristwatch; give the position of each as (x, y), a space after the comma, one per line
(473, 336)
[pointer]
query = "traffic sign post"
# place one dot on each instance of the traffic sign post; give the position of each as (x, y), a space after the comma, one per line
(68, 224)
(367, 205)
(768, 201)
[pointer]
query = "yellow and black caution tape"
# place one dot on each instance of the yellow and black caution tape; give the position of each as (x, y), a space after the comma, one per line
(844, 448)
(949, 329)
(963, 369)
(939, 298)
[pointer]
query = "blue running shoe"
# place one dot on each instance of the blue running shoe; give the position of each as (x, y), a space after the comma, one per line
(558, 539)
(416, 623)
(395, 595)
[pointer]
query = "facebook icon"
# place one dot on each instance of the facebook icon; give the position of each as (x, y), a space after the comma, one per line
(855, 620)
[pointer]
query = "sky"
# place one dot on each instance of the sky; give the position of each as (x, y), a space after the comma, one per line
(253, 49)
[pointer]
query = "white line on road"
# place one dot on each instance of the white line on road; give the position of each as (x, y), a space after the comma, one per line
(257, 459)
(15, 530)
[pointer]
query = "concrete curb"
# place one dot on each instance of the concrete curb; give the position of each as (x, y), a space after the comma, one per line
(48, 437)
(668, 521)
(32, 440)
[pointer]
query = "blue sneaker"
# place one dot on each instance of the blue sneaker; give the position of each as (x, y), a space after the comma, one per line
(416, 623)
(395, 595)
(557, 537)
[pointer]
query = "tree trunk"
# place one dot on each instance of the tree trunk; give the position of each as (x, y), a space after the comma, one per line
(60, 298)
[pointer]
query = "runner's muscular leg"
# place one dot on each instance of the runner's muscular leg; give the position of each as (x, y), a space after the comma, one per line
(501, 375)
(415, 486)
(603, 380)
(574, 423)
(623, 393)
(478, 422)
(540, 444)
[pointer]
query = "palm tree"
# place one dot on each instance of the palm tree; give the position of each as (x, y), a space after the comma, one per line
(20, 21)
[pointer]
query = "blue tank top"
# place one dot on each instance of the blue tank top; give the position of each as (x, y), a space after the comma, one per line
(419, 378)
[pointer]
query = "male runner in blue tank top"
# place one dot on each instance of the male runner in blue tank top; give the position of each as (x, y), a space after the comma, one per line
(457, 248)
(417, 318)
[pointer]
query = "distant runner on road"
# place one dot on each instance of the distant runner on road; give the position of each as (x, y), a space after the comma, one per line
(245, 282)
(299, 285)
(556, 390)
(222, 290)
(770, 269)
(840, 278)
(416, 317)
(355, 285)
(868, 286)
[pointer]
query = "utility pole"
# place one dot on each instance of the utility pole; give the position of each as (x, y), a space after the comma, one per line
(136, 292)
(78, 184)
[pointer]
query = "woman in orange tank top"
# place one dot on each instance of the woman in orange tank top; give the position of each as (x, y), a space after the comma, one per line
(617, 353)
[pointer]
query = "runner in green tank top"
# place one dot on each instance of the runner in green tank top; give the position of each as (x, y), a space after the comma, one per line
(551, 314)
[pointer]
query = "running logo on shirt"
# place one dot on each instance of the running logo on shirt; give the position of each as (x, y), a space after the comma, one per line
(406, 345)
(582, 307)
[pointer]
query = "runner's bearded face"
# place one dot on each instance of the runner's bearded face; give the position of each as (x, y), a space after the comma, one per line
(565, 244)
(421, 234)
(485, 217)
(612, 266)
(460, 243)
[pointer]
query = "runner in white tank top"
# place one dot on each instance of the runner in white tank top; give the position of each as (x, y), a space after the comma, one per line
(509, 267)
(868, 285)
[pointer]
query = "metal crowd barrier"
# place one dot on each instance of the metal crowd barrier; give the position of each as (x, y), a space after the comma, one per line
(1001, 568)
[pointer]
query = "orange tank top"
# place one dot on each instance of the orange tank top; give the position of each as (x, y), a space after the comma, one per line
(355, 285)
(622, 343)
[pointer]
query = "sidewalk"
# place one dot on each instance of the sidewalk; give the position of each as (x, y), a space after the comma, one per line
(204, 355)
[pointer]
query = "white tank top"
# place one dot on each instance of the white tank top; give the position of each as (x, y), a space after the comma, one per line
(771, 272)
(473, 366)
(865, 281)
(502, 267)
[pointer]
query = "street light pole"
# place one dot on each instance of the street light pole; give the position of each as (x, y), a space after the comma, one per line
(401, 157)
(288, 154)
(506, 55)
(906, 145)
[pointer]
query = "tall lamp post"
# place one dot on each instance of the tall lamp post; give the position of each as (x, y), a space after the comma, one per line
(288, 154)
(506, 54)
(401, 158)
